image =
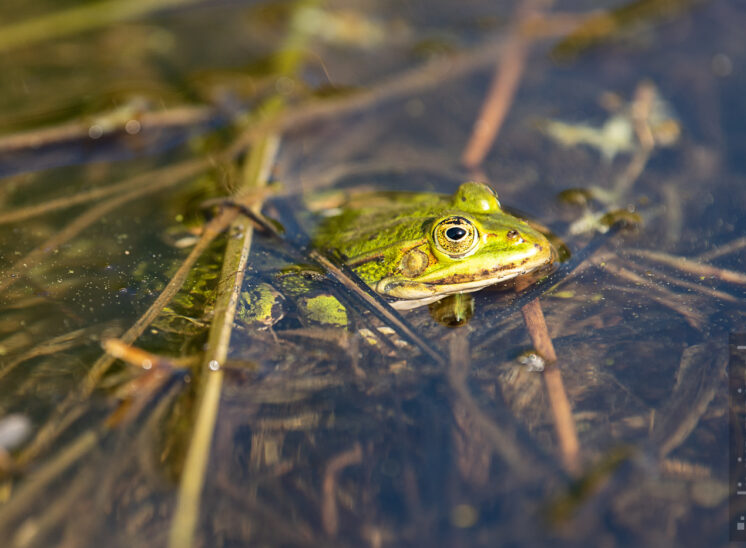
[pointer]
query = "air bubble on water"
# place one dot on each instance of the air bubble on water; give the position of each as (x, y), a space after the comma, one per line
(132, 127)
(533, 361)
(14, 429)
(95, 131)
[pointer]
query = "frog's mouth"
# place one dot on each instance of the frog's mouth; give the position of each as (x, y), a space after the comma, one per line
(411, 293)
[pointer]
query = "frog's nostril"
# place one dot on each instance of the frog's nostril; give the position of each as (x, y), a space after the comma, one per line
(514, 236)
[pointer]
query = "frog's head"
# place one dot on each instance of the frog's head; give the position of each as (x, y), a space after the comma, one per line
(472, 244)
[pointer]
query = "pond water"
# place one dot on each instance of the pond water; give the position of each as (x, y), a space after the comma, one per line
(142, 403)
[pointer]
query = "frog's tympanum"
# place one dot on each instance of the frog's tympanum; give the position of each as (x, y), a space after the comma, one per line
(417, 248)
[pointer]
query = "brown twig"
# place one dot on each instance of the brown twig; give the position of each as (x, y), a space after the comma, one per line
(735, 245)
(168, 178)
(58, 135)
(139, 181)
(560, 404)
(508, 74)
(329, 513)
(69, 410)
(692, 266)
(54, 345)
(503, 442)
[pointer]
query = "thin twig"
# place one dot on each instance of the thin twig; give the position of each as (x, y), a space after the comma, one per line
(508, 73)
(237, 251)
(54, 136)
(143, 180)
(692, 266)
(54, 345)
(168, 178)
(30, 492)
(657, 275)
(329, 512)
(725, 249)
(503, 442)
(561, 411)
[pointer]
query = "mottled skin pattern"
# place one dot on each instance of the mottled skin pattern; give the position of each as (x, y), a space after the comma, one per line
(388, 239)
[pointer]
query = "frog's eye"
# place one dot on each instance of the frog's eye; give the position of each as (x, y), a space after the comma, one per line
(455, 236)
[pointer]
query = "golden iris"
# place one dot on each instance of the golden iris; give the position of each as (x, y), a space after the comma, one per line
(455, 236)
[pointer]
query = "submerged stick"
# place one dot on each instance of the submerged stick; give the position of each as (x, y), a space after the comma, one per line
(256, 173)
(692, 266)
(143, 180)
(329, 512)
(507, 77)
(237, 251)
(560, 404)
(502, 441)
(31, 259)
(348, 279)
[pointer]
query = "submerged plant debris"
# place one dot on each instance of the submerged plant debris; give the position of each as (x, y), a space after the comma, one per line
(168, 379)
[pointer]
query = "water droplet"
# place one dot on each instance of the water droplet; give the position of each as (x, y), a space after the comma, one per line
(95, 131)
(533, 361)
(132, 127)
(213, 365)
(14, 429)
(147, 364)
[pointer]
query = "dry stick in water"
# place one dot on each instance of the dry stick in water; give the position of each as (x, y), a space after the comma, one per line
(499, 99)
(329, 513)
(76, 131)
(350, 281)
(138, 181)
(256, 174)
(168, 178)
(78, 19)
(503, 442)
(67, 411)
(692, 266)
(560, 404)
(508, 74)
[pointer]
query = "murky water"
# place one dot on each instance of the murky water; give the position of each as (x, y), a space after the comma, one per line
(122, 131)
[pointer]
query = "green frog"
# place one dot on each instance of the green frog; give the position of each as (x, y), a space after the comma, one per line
(417, 248)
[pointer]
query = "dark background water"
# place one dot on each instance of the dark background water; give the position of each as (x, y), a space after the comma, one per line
(641, 339)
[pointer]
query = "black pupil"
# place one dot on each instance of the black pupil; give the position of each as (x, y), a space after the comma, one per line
(455, 233)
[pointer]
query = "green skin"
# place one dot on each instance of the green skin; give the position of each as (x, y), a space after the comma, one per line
(389, 240)
(378, 234)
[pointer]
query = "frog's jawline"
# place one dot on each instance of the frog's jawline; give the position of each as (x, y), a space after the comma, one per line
(444, 291)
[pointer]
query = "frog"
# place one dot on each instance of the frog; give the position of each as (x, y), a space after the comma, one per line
(416, 248)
